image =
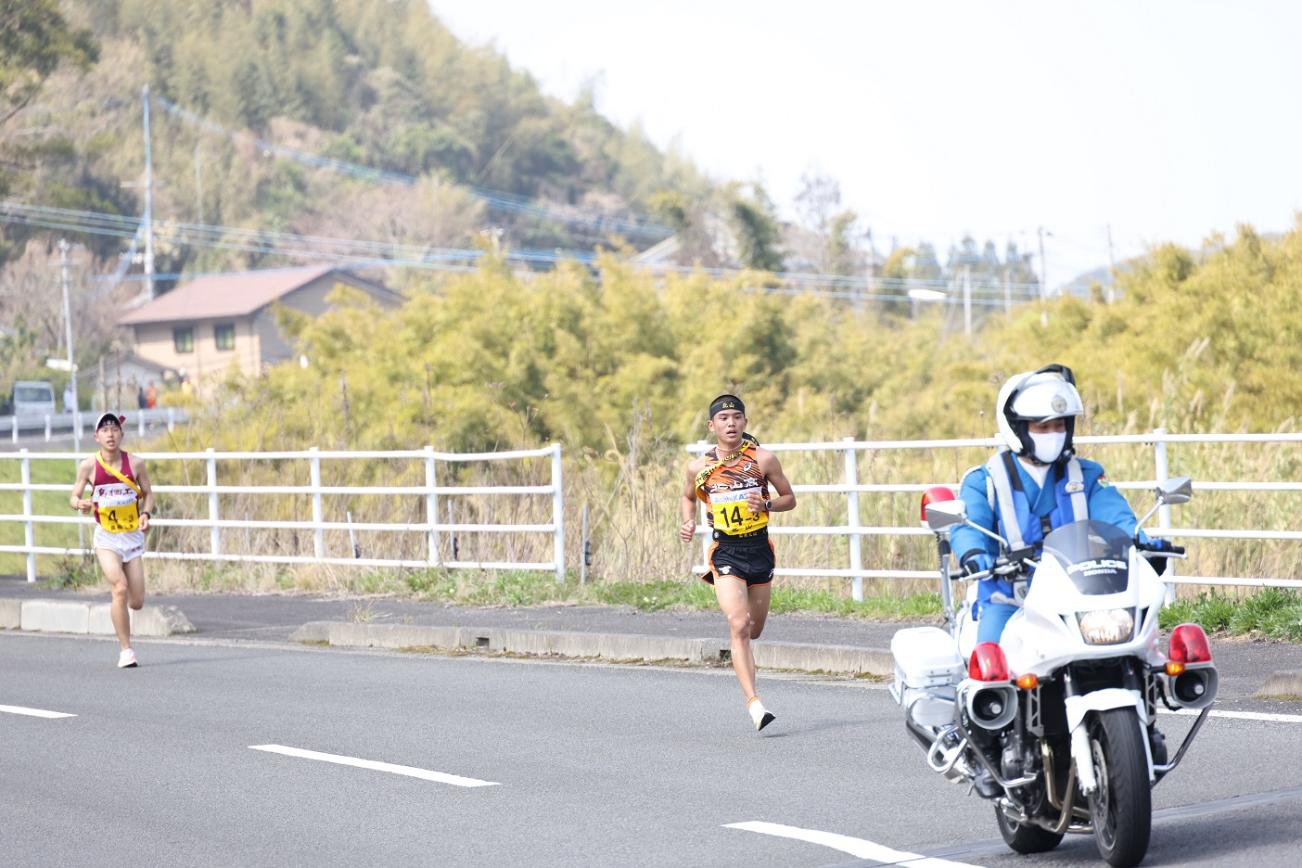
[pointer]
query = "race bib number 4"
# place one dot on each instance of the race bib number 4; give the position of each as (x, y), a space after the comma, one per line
(731, 514)
(122, 518)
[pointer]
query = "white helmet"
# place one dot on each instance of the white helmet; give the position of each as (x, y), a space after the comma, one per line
(1037, 396)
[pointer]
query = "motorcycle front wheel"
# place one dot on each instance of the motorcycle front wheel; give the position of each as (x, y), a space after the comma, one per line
(1122, 807)
(1025, 837)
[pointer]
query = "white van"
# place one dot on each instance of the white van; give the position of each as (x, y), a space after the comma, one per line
(33, 398)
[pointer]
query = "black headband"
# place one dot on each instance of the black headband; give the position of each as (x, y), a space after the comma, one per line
(726, 402)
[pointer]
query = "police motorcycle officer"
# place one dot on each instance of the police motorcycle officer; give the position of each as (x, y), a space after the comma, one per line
(1036, 483)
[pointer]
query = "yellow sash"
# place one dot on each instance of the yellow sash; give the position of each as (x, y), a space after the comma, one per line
(119, 518)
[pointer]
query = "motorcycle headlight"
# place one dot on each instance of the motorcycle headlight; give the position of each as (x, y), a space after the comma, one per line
(1107, 626)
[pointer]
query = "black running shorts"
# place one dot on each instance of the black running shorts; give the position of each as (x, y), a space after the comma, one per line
(748, 559)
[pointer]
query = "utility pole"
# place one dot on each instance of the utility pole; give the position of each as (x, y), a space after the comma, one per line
(149, 198)
(67, 325)
(1044, 280)
(1112, 269)
(198, 185)
(967, 300)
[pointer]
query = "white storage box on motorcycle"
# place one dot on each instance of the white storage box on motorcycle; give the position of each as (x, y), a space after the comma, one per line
(927, 668)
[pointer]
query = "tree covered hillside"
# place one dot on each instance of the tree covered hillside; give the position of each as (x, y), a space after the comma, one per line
(347, 118)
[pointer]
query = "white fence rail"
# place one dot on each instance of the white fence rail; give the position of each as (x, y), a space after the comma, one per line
(852, 488)
(65, 425)
(427, 496)
(303, 477)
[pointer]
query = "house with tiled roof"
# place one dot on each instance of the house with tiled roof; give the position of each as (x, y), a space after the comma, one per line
(210, 323)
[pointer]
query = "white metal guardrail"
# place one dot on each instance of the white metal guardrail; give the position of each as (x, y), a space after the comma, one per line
(427, 496)
(15, 426)
(852, 488)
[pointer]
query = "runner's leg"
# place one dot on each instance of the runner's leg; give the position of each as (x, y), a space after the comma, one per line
(759, 597)
(111, 563)
(730, 591)
(135, 573)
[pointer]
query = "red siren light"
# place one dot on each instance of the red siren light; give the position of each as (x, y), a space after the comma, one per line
(1189, 645)
(988, 663)
(935, 494)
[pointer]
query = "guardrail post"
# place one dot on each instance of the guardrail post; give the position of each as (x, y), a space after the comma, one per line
(558, 512)
(140, 423)
(213, 514)
(171, 419)
(584, 550)
(708, 537)
(431, 506)
(318, 511)
(47, 427)
(852, 514)
(1164, 511)
(15, 430)
(29, 531)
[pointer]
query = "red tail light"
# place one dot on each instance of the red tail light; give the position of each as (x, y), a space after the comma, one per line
(988, 663)
(935, 494)
(1189, 645)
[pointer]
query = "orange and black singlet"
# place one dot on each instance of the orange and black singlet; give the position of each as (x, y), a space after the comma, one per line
(724, 486)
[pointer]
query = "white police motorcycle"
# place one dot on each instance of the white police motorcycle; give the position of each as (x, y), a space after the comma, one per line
(1055, 723)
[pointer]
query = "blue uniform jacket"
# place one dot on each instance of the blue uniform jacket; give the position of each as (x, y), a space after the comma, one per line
(1105, 504)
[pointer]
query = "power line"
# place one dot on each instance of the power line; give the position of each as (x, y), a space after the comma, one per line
(986, 291)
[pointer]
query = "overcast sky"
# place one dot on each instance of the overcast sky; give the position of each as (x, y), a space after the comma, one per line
(1165, 120)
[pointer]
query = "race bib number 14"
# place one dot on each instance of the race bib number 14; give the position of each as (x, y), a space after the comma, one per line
(731, 514)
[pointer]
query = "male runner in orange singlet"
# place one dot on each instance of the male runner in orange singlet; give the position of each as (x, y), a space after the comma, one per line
(734, 479)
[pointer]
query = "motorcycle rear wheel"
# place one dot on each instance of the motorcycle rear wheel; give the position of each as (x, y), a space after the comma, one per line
(1025, 837)
(1122, 806)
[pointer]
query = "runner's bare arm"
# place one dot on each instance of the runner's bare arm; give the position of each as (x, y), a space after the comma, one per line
(79, 487)
(146, 494)
(687, 507)
(785, 498)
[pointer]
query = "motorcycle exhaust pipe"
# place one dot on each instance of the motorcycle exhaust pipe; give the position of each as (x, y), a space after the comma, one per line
(1193, 688)
(991, 706)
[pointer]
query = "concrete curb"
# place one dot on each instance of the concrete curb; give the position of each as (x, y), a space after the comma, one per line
(619, 647)
(1282, 685)
(60, 616)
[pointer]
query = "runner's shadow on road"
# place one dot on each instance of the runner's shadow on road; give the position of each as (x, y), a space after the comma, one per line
(224, 659)
(811, 728)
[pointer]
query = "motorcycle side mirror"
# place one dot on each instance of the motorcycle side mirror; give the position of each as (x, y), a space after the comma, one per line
(1173, 491)
(1177, 490)
(946, 514)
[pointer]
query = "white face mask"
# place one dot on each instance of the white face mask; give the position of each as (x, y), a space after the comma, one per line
(1048, 446)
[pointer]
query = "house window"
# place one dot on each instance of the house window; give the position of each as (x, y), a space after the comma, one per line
(183, 338)
(225, 336)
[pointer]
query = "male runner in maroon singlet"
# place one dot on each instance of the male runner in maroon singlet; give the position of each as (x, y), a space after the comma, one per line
(733, 479)
(122, 501)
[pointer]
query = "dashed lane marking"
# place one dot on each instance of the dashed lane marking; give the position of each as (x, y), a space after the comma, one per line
(857, 847)
(1241, 715)
(374, 765)
(33, 712)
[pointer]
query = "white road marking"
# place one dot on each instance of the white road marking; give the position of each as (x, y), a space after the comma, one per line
(33, 712)
(857, 847)
(375, 765)
(1241, 715)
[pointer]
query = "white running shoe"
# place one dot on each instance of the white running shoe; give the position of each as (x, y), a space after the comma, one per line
(127, 659)
(758, 713)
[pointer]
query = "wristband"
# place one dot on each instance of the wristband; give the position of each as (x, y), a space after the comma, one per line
(148, 513)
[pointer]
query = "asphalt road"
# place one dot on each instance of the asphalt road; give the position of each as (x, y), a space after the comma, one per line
(588, 765)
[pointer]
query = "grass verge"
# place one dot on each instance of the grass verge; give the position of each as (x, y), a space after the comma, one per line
(1273, 613)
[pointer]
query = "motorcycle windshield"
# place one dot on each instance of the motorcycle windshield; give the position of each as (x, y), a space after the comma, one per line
(1094, 554)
